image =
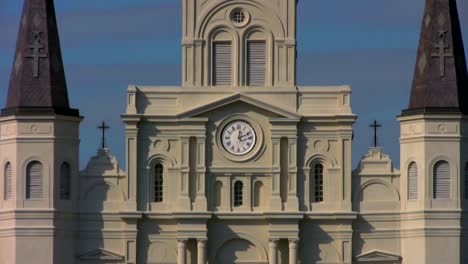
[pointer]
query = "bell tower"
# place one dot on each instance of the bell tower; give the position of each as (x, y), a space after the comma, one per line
(239, 43)
(433, 142)
(39, 145)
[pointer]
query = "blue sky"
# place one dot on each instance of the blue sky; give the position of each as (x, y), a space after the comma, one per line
(109, 44)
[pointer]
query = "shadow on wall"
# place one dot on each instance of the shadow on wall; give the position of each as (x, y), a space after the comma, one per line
(101, 193)
(236, 247)
(316, 245)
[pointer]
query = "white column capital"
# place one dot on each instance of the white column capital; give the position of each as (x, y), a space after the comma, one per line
(293, 250)
(182, 251)
(201, 253)
(273, 251)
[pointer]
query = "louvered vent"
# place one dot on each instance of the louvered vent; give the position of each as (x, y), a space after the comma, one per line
(65, 182)
(413, 182)
(222, 60)
(8, 181)
(442, 180)
(34, 180)
(256, 63)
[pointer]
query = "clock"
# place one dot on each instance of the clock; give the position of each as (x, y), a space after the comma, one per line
(238, 137)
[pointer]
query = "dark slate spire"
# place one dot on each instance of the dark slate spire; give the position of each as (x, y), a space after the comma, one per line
(37, 82)
(440, 81)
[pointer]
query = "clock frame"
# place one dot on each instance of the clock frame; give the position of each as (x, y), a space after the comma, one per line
(253, 152)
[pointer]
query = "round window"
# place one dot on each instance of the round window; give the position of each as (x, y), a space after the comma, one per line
(239, 17)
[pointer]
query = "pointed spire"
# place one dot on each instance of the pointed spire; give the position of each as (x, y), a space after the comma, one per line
(440, 81)
(37, 81)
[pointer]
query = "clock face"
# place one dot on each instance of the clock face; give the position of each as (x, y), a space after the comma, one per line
(238, 138)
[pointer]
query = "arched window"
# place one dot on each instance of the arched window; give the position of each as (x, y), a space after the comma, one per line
(34, 180)
(317, 186)
(442, 180)
(413, 181)
(256, 59)
(466, 181)
(65, 181)
(258, 193)
(238, 194)
(158, 183)
(8, 174)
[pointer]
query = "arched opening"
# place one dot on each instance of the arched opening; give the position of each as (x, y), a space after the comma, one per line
(34, 180)
(238, 199)
(442, 180)
(256, 59)
(65, 181)
(221, 59)
(158, 186)
(413, 181)
(8, 174)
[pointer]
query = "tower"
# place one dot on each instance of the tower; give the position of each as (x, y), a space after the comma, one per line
(38, 147)
(220, 39)
(433, 142)
(238, 164)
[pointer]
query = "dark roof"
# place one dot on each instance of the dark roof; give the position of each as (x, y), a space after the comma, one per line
(37, 81)
(440, 79)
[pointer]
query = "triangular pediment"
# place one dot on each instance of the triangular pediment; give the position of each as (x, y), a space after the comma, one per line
(378, 256)
(238, 97)
(101, 254)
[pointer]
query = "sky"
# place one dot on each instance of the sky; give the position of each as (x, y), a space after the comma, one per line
(109, 44)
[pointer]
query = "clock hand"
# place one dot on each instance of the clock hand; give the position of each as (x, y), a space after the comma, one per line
(240, 135)
(243, 137)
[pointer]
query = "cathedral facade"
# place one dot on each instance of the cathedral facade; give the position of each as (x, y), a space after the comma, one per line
(238, 164)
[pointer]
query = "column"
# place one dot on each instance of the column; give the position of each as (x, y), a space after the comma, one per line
(182, 252)
(293, 251)
(201, 253)
(273, 252)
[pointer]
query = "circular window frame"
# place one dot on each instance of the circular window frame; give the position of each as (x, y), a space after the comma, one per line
(256, 150)
(233, 13)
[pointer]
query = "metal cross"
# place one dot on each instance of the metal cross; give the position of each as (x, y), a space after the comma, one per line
(103, 127)
(375, 126)
(442, 55)
(36, 55)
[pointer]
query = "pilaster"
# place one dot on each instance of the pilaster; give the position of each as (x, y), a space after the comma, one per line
(183, 200)
(131, 142)
(201, 201)
(293, 201)
(275, 202)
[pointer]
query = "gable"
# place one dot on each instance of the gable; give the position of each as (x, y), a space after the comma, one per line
(101, 254)
(236, 98)
(378, 256)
